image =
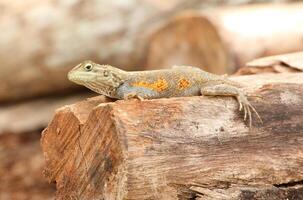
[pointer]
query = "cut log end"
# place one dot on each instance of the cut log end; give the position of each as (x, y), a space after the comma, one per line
(179, 148)
(189, 40)
(222, 40)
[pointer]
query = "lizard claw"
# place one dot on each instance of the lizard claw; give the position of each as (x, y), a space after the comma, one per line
(240, 106)
(254, 110)
(247, 107)
(133, 95)
(245, 112)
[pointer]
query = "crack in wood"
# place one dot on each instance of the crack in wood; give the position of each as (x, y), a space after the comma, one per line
(289, 184)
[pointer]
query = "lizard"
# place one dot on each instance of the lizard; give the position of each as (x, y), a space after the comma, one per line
(179, 81)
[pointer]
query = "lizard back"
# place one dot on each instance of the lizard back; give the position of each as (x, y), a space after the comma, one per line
(181, 81)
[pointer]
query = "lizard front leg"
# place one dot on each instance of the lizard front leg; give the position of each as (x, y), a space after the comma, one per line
(132, 95)
(228, 90)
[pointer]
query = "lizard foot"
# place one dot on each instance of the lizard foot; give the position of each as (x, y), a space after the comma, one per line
(133, 95)
(247, 107)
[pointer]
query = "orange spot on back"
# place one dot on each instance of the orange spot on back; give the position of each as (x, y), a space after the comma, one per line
(183, 83)
(159, 85)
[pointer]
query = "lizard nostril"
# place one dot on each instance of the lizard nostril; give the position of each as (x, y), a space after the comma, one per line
(71, 76)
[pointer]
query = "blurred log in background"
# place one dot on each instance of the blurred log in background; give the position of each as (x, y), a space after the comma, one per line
(41, 40)
(222, 40)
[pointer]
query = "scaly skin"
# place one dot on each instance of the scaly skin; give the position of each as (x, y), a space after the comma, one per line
(176, 82)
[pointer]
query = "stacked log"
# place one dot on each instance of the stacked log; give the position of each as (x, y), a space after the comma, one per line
(44, 40)
(40, 41)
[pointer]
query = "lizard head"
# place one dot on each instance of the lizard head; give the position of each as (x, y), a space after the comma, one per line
(100, 78)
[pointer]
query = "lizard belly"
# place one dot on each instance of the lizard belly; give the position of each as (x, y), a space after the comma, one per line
(126, 88)
(157, 90)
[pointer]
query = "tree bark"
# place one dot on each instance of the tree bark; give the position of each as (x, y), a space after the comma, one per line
(222, 40)
(180, 148)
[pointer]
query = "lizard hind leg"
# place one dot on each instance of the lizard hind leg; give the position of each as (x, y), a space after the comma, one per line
(228, 90)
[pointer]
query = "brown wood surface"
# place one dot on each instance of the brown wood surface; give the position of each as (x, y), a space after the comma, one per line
(180, 148)
(21, 168)
(222, 40)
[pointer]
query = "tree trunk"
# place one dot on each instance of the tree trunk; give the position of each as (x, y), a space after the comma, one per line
(221, 40)
(180, 148)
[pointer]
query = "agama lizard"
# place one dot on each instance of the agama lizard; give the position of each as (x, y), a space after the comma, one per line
(175, 82)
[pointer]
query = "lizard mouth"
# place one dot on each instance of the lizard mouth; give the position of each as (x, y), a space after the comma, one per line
(80, 77)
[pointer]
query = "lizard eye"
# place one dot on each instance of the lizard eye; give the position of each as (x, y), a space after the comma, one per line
(105, 73)
(88, 67)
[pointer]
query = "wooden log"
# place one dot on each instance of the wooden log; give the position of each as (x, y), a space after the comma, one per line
(34, 115)
(222, 40)
(21, 168)
(290, 63)
(180, 148)
(43, 40)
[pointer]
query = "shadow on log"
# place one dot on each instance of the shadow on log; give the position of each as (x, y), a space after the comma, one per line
(180, 148)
